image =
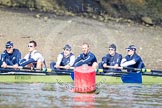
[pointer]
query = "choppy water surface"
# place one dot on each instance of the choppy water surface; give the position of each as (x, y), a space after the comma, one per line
(38, 95)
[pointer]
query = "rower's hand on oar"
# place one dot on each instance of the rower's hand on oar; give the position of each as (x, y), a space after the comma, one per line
(16, 66)
(67, 67)
(4, 65)
(120, 68)
(116, 66)
(57, 66)
(105, 65)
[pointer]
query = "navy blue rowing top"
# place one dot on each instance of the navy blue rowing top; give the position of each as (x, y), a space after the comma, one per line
(11, 59)
(88, 58)
(139, 63)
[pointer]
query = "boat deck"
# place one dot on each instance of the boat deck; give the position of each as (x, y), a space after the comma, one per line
(42, 78)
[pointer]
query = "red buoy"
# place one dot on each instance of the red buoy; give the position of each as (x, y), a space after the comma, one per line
(84, 79)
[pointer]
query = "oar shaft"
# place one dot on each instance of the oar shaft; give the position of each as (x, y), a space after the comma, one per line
(143, 70)
(56, 71)
(157, 71)
(108, 71)
(31, 68)
(20, 67)
(128, 68)
(137, 69)
(123, 68)
(113, 67)
(63, 67)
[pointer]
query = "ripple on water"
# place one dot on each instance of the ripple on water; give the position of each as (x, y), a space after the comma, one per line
(59, 95)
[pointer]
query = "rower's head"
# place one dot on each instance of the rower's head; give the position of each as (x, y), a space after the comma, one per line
(131, 49)
(9, 47)
(67, 49)
(32, 45)
(112, 49)
(85, 48)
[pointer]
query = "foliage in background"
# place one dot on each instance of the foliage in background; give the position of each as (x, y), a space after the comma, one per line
(130, 9)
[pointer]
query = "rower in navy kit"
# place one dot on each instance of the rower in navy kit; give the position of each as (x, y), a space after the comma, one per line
(111, 61)
(10, 56)
(86, 57)
(132, 59)
(65, 59)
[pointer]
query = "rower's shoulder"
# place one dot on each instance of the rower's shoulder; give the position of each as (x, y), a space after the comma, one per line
(16, 50)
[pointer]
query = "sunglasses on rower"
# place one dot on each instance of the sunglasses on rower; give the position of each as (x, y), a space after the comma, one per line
(30, 46)
(111, 49)
(128, 50)
(8, 47)
(67, 49)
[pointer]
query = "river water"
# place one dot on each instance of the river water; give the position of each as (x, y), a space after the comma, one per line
(58, 95)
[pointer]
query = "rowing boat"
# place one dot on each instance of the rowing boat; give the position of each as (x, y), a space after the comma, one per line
(65, 77)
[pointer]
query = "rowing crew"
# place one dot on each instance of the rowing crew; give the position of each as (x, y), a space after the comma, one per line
(66, 59)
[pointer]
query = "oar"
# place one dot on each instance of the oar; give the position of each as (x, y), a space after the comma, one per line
(18, 71)
(135, 69)
(45, 69)
(128, 77)
(70, 69)
(113, 67)
(20, 67)
(136, 77)
(56, 71)
(101, 71)
(63, 67)
(31, 68)
(143, 70)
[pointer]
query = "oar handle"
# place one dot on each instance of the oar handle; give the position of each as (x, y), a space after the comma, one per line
(63, 67)
(137, 69)
(143, 70)
(19, 67)
(108, 71)
(32, 68)
(105, 70)
(37, 69)
(130, 68)
(125, 68)
(47, 71)
(113, 67)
